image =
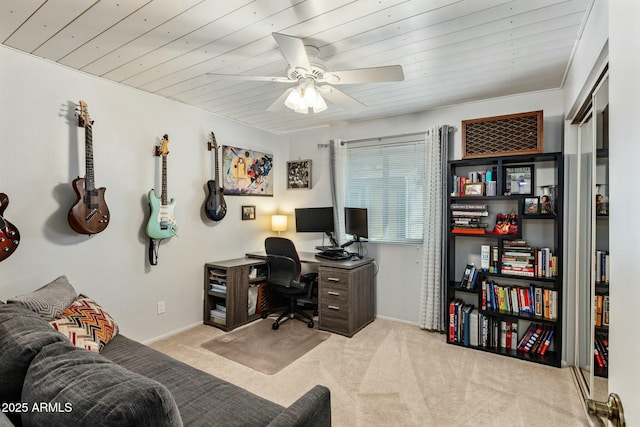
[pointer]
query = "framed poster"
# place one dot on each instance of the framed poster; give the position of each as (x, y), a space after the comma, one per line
(299, 174)
(518, 180)
(246, 172)
(248, 212)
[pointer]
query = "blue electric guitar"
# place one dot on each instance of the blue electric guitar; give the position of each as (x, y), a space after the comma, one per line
(162, 224)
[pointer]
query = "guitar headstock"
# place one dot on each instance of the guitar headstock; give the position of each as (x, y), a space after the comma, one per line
(212, 144)
(163, 149)
(83, 115)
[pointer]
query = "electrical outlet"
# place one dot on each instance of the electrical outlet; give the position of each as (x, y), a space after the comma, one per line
(160, 307)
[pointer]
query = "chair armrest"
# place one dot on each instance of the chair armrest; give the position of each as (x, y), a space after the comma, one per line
(313, 409)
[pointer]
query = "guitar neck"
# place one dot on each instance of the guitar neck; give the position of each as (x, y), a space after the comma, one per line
(164, 180)
(88, 140)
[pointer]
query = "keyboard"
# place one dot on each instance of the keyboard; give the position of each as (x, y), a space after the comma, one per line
(334, 255)
(329, 248)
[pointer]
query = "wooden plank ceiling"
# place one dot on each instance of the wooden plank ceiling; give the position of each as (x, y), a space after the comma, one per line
(452, 51)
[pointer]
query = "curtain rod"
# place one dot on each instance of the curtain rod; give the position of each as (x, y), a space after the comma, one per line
(380, 138)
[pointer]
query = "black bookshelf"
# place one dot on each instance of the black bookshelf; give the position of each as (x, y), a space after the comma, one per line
(460, 243)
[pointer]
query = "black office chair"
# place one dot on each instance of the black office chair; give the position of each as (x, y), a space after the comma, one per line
(283, 275)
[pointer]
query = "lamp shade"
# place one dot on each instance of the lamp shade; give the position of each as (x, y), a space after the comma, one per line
(278, 223)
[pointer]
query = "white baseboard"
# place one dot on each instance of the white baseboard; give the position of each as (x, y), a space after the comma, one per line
(170, 334)
(393, 319)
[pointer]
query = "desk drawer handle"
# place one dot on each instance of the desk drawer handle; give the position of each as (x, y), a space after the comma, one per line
(333, 279)
(333, 307)
(335, 294)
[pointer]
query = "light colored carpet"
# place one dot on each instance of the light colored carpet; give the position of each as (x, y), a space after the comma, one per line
(259, 347)
(393, 374)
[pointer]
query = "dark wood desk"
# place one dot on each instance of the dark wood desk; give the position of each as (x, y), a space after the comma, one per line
(346, 291)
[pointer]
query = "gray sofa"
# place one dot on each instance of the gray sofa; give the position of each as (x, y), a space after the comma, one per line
(47, 381)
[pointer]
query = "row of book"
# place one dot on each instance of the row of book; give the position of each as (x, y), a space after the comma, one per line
(601, 351)
(520, 259)
(483, 176)
(602, 266)
(520, 300)
(470, 327)
(467, 218)
(602, 310)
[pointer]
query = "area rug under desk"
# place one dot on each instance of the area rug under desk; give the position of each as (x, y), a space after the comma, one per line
(261, 348)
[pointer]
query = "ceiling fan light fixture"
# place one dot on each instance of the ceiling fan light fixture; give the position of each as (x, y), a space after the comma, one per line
(305, 96)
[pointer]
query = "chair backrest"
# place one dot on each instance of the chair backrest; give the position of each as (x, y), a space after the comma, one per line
(283, 262)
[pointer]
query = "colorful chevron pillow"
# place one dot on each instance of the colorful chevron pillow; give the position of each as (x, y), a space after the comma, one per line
(86, 324)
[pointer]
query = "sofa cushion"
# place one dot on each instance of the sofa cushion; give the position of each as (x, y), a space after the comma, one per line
(84, 388)
(49, 300)
(22, 334)
(201, 398)
(86, 324)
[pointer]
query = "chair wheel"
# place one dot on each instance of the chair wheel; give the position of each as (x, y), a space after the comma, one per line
(264, 315)
(310, 324)
(275, 326)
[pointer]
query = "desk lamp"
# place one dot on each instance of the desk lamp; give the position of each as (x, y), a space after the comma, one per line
(278, 223)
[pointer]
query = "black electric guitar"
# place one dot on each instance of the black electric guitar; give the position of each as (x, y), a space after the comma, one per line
(89, 214)
(215, 207)
(9, 235)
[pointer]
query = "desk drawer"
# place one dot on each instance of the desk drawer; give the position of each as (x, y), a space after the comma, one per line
(332, 277)
(334, 294)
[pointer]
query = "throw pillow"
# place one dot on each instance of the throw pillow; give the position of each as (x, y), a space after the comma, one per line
(86, 324)
(89, 390)
(49, 300)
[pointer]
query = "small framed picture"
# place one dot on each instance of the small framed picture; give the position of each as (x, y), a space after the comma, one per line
(518, 180)
(531, 205)
(248, 212)
(299, 174)
(474, 189)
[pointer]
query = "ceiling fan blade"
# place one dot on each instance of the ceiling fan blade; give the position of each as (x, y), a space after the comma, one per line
(254, 78)
(342, 99)
(278, 105)
(389, 73)
(293, 50)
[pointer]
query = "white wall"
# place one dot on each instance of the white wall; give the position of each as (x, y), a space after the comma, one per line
(43, 151)
(400, 266)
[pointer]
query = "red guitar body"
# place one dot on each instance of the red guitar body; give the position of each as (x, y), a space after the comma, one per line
(9, 235)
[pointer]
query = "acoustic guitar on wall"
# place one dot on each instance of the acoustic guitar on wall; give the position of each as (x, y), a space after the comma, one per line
(9, 235)
(89, 214)
(162, 224)
(215, 208)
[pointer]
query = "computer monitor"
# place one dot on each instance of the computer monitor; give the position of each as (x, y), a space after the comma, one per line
(316, 220)
(355, 222)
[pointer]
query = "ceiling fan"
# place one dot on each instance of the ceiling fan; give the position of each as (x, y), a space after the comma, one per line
(314, 82)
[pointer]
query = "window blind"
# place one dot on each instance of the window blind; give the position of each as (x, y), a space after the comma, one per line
(388, 180)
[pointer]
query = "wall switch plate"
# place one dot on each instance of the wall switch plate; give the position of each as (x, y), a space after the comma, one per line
(160, 307)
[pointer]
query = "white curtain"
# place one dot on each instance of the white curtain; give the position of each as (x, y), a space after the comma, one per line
(338, 167)
(434, 246)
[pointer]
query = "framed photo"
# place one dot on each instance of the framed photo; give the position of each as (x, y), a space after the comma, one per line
(474, 189)
(531, 205)
(248, 212)
(518, 180)
(246, 172)
(299, 174)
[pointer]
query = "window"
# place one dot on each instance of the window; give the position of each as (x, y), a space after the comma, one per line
(388, 180)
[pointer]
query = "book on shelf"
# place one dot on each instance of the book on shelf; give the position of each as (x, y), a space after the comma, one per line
(599, 302)
(485, 257)
(469, 277)
(602, 266)
(605, 310)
